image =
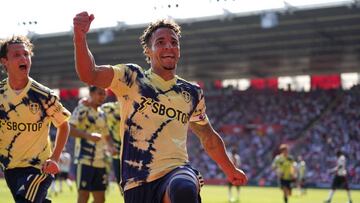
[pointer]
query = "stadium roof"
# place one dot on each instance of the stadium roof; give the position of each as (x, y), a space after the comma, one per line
(312, 41)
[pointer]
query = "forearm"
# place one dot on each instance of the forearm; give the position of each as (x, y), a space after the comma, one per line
(74, 132)
(61, 139)
(84, 60)
(215, 148)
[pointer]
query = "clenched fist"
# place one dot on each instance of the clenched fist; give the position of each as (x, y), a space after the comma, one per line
(82, 22)
(50, 167)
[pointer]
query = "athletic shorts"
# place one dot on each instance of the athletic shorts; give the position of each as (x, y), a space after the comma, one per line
(285, 183)
(340, 182)
(154, 191)
(91, 178)
(28, 184)
(62, 176)
(116, 167)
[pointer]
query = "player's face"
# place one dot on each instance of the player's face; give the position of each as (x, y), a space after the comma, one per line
(98, 96)
(17, 61)
(164, 50)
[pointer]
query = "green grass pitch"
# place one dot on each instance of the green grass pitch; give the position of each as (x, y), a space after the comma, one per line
(212, 194)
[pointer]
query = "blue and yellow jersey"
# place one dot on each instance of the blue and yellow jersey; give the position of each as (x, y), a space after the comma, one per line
(90, 120)
(25, 120)
(112, 115)
(284, 167)
(155, 116)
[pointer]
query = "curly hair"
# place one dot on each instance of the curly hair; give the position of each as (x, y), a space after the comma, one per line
(15, 40)
(162, 23)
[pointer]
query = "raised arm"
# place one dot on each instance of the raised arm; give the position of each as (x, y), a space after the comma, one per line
(86, 67)
(215, 148)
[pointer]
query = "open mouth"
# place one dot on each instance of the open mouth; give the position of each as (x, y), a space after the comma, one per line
(22, 67)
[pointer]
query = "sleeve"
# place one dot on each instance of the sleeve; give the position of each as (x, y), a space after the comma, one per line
(56, 111)
(123, 80)
(77, 115)
(199, 115)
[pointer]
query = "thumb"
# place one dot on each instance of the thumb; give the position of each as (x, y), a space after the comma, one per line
(91, 17)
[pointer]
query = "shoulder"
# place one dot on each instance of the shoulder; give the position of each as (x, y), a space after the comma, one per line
(109, 106)
(41, 89)
(128, 66)
(192, 87)
(80, 108)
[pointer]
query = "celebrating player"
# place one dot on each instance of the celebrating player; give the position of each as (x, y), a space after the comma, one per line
(27, 110)
(157, 107)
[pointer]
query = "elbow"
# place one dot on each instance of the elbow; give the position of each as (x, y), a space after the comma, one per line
(86, 77)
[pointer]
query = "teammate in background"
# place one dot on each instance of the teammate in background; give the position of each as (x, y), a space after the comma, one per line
(340, 178)
(27, 110)
(112, 115)
(300, 167)
(284, 166)
(65, 166)
(235, 158)
(156, 108)
(88, 126)
(63, 175)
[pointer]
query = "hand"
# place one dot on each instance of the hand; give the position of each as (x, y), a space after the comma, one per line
(95, 137)
(50, 167)
(113, 151)
(82, 23)
(237, 177)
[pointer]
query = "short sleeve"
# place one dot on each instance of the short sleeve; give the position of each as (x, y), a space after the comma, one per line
(199, 115)
(124, 78)
(56, 111)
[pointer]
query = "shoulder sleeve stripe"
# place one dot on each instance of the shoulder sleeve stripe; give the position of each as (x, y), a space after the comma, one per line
(40, 89)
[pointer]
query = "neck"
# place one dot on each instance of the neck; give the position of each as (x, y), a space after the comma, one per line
(164, 74)
(18, 84)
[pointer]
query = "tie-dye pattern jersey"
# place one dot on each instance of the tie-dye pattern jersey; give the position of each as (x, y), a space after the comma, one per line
(25, 120)
(112, 115)
(90, 120)
(155, 116)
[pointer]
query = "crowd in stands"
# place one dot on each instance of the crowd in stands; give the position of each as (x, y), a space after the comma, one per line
(315, 124)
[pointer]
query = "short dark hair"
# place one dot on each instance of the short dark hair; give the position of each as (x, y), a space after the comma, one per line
(283, 147)
(162, 23)
(93, 88)
(4, 44)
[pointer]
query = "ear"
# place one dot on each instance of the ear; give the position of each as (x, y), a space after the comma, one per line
(147, 51)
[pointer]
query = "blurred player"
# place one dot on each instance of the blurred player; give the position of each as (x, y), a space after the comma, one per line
(89, 127)
(112, 115)
(27, 110)
(65, 166)
(340, 178)
(157, 108)
(300, 167)
(284, 166)
(235, 158)
(63, 175)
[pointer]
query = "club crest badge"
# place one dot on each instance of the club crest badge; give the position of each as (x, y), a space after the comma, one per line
(34, 107)
(186, 96)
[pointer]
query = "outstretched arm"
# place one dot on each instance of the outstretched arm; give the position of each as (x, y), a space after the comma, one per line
(86, 68)
(215, 148)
